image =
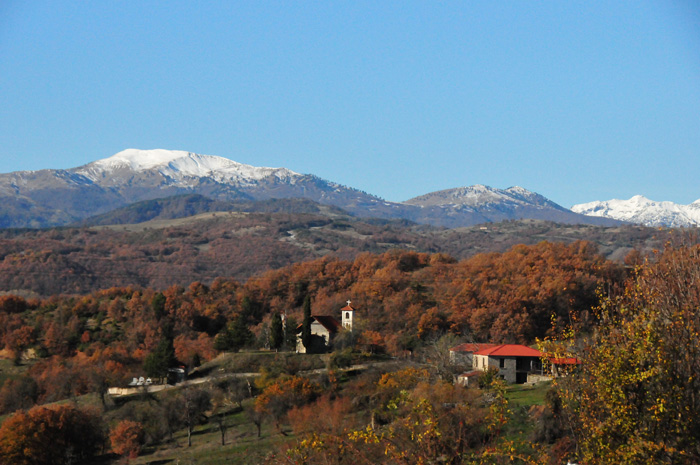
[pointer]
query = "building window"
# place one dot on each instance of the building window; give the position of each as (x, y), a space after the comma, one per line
(502, 363)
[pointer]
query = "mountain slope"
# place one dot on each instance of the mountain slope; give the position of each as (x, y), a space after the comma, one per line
(641, 210)
(182, 206)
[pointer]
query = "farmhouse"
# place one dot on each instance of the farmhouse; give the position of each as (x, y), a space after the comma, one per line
(514, 362)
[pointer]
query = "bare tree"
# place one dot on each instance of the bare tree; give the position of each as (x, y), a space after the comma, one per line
(194, 402)
(437, 353)
(256, 417)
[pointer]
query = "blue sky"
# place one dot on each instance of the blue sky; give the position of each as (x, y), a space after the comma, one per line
(577, 101)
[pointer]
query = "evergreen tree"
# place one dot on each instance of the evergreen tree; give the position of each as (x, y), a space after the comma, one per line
(158, 305)
(306, 324)
(251, 310)
(276, 332)
(241, 335)
(290, 334)
(223, 341)
(157, 362)
(235, 336)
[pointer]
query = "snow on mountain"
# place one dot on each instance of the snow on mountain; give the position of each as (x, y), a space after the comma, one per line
(479, 196)
(178, 165)
(57, 197)
(641, 210)
(476, 204)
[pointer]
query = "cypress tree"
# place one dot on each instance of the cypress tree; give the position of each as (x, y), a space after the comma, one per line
(276, 332)
(306, 324)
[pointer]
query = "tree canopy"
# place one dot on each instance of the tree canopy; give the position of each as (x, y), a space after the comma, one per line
(635, 399)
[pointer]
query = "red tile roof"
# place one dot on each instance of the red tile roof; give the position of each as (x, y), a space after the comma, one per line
(510, 350)
(328, 322)
(469, 347)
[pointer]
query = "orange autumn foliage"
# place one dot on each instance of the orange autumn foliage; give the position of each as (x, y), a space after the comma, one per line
(58, 435)
(127, 438)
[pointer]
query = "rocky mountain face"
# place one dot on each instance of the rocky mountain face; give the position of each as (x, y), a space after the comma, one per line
(641, 210)
(46, 198)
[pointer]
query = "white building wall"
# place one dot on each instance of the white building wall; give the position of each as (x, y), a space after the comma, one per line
(316, 329)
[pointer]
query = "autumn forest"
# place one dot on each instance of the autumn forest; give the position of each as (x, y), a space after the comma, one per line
(631, 321)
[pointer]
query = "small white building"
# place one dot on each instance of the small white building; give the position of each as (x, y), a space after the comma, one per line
(469, 378)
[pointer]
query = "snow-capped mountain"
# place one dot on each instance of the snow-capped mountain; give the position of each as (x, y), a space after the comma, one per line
(58, 197)
(641, 210)
(179, 168)
(483, 204)
(480, 196)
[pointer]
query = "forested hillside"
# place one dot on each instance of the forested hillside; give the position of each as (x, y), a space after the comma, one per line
(409, 305)
(241, 244)
(402, 298)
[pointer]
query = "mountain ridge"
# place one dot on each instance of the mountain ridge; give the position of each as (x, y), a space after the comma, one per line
(641, 210)
(48, 198)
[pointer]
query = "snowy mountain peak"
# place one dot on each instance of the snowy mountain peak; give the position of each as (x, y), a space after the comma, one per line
(479, 194)
(517, 190)
(139, 160)
(641, 210)
(178, 164)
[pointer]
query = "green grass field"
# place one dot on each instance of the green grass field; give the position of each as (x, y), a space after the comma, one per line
(522, 395)
(242, 445)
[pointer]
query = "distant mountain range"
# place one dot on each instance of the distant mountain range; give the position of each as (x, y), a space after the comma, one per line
(643, 211)
(46, 198)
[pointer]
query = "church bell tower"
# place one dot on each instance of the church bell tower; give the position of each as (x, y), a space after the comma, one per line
(346, 316)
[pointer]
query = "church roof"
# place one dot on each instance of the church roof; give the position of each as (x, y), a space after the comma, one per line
(327, 321)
